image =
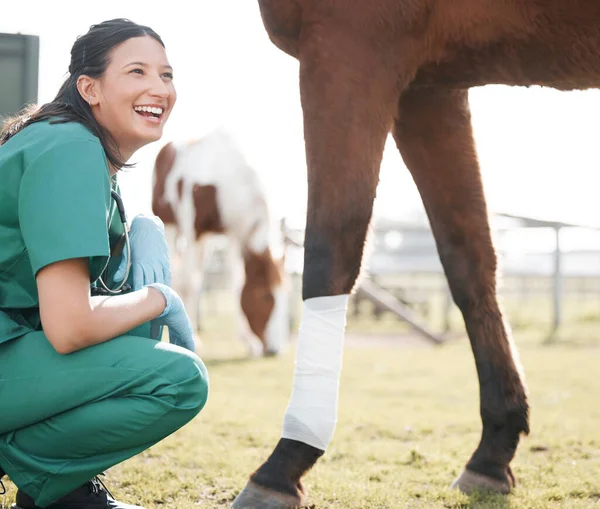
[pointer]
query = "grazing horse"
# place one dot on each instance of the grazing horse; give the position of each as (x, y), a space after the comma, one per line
(207, 187)
(368, 68)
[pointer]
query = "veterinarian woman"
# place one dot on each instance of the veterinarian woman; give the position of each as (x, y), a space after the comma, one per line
(82, 384)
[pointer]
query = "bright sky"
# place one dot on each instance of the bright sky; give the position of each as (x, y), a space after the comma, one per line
(538, 148)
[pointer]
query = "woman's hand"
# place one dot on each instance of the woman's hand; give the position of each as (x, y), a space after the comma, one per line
(149, 254)
(175, 318)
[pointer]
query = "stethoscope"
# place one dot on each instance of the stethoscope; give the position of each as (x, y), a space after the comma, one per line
(122, 287)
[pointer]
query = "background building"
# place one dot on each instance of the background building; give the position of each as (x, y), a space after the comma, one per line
(19, 63)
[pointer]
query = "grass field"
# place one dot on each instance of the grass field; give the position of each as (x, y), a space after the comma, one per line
(408, 421)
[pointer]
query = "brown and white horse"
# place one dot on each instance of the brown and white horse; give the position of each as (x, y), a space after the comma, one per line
(207, 187)
(368, 68)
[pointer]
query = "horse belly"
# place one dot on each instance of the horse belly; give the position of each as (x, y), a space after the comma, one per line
(551, 43)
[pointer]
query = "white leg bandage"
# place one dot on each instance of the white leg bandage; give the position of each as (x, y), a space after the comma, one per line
(312, 412)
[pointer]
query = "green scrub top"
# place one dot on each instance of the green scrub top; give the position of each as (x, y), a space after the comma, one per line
(55, 205)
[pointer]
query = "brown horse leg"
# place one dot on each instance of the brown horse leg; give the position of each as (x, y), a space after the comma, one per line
(349, 97)
(434, 134)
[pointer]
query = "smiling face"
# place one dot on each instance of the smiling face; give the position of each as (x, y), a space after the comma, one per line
(134, 97)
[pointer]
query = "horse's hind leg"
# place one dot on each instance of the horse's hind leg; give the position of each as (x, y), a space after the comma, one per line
(348, 104)
(434, 134)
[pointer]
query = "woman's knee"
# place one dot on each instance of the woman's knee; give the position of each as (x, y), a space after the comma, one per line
(190, 375)
(170, 373)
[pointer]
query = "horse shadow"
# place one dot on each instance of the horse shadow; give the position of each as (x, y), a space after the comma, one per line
(486, 500)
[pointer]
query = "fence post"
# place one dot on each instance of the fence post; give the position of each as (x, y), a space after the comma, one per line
(558, 283)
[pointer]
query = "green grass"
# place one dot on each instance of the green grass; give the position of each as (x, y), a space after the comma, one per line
(408, 421)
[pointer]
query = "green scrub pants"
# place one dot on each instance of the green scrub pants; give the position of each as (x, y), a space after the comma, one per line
(66, 418)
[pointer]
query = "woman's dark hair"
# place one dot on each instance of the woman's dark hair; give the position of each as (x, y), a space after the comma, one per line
(90, 56)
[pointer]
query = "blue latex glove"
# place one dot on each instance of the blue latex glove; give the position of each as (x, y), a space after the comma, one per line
(149, 254)
(175, 318)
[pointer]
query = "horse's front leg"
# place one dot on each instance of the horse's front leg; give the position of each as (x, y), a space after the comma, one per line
(434, 135)
(188, 278)
(348, 96)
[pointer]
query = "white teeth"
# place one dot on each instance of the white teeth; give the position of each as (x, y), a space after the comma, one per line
(149, 109)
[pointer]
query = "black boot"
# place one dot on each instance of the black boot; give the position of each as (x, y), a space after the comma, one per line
(92, 495)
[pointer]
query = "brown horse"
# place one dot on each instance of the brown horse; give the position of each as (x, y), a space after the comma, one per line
(206, 187)
(405, 66)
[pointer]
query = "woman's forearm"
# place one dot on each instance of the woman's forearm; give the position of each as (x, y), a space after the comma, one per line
(111, 316)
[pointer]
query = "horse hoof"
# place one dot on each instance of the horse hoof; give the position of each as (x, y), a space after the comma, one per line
(254, 496)
(470, 481)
